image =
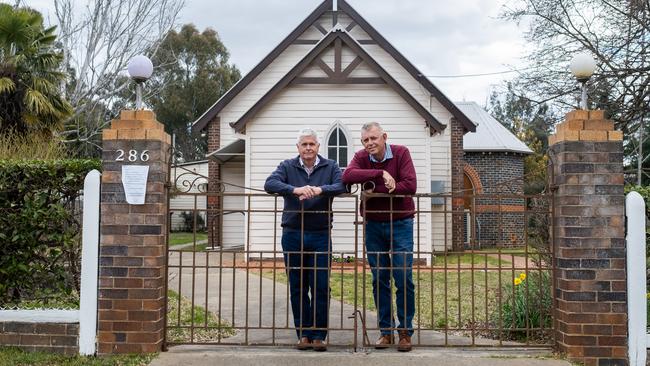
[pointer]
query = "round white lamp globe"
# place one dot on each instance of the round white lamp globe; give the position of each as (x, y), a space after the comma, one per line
(583, 66)
(140, 68)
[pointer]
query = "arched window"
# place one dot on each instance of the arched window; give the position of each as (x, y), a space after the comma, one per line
(337, 146)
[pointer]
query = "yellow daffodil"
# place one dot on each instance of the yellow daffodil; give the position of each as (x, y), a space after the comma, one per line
(517, 281)
(648, 295)
(522, 276)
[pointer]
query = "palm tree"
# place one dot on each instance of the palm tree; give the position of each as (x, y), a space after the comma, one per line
(30, 96)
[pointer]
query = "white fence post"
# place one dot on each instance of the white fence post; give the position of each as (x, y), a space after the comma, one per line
(636, 279)
(89, 265)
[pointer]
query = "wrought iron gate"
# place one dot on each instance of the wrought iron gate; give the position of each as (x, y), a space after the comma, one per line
(227, 281)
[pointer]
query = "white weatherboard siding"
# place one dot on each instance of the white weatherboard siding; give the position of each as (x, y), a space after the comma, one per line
(232, 174)
(441, 171)
(273, 131)
(257, 88)
(407, 81)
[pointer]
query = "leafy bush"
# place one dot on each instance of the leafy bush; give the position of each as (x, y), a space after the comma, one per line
(40, 229)
(526, 303)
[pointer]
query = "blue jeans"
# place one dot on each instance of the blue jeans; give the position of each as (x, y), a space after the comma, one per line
(397, 259)
(307, 266)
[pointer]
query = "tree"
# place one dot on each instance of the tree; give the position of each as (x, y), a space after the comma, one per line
(193, 73)
(30, 97)
(98, 43)
(615, 32)
(531, 123)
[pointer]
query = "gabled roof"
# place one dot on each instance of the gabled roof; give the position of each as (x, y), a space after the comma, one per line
(490, 134)
(208, 115)
(331, 39)
(323, 8)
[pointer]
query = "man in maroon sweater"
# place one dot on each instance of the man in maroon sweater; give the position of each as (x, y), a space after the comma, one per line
(388, 228)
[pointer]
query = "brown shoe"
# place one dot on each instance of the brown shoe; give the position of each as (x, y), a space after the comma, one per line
(319, 345)
(384, 341)
(303, 344)
(404, 344)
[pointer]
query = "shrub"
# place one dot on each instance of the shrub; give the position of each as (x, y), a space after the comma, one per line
(526, 303)
(40, 229)
(32, 146)
(188, 222)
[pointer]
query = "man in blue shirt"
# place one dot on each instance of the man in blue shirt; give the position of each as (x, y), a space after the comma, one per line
(308, 183)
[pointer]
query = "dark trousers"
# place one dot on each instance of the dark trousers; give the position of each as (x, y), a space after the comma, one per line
(308, 263)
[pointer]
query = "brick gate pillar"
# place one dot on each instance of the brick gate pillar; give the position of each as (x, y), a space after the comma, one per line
(132, 242)
(589, 233)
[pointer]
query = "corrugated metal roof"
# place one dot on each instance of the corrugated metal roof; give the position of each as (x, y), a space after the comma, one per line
(490, 135)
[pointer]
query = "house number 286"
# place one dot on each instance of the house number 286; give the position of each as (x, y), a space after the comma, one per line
(132, 155)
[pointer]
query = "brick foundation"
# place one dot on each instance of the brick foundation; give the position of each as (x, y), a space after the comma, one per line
(132, 243)
(46, 337)
(589, 233)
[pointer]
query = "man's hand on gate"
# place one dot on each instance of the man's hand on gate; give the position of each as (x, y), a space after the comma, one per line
(307, 192)
(389, 181)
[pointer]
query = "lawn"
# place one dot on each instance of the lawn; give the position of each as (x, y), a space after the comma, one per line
(16, 357)
(466, 259)
(180, 238)
(207, 326)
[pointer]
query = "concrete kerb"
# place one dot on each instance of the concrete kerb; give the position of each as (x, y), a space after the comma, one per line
(258, 356)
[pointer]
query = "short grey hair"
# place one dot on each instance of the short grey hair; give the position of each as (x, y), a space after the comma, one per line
(369, 125)
(307, 132)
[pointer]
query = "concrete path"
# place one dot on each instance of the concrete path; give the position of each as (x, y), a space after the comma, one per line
(255, 306)
(258, 307)
(252, 356)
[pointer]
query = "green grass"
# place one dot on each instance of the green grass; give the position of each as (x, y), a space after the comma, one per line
(440, 301)
(181, 238)
(16, 357)
(207, 325)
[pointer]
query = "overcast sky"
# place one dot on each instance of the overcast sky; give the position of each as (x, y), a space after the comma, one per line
(441, 38)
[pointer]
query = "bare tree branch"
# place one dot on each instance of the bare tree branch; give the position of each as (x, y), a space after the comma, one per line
(98, 43)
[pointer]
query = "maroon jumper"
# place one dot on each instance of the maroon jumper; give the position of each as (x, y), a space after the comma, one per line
(362, 170)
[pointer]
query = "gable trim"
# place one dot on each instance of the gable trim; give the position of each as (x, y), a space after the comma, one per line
(204, 119)
(406, 64)
(357, 20)
(338, 37)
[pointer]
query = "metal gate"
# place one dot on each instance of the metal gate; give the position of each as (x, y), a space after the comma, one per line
(227, 280)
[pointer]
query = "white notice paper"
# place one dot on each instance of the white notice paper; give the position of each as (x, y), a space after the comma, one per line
(134, 180)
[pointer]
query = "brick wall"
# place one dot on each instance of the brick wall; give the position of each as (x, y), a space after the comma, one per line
(499, 220)
(457, 184)
(132, 243)
(47, 337)
(587, 166)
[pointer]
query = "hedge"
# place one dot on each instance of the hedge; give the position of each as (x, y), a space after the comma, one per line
(40, 229)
